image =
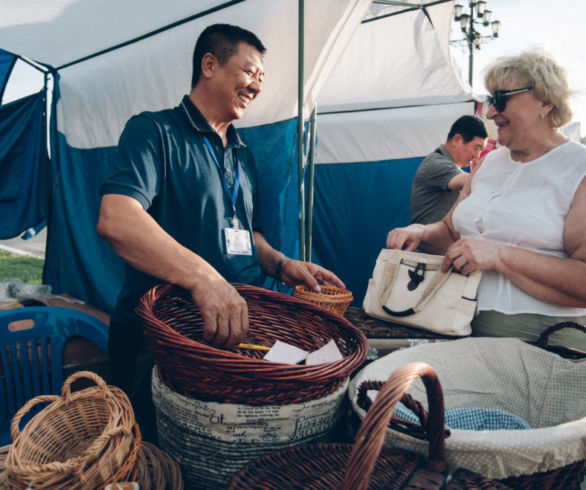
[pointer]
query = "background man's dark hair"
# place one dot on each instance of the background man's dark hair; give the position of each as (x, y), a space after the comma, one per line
(222, 41)
(469, 127)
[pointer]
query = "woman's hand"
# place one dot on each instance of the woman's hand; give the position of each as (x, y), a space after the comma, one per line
(407, 238)
(469, 254)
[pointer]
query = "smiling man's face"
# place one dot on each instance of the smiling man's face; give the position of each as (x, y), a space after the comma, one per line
(239, 80)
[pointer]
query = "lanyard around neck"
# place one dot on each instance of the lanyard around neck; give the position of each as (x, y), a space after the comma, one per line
(232, 196)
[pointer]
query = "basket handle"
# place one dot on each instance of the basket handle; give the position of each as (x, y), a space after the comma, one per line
(15, 423)
(371, 434)
(543, 339)
(66, 389)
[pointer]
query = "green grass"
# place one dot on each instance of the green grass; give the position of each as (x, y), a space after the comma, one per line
(27, 269)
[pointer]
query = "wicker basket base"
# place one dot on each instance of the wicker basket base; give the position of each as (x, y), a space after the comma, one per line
(211, 441)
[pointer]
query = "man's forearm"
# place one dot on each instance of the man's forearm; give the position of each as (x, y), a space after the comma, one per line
(139, 240)
(268, 257)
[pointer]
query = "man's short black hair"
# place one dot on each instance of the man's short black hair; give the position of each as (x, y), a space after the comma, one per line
(469, 127)
(222, 41)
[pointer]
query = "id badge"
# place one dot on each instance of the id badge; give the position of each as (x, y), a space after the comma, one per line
(238, 241)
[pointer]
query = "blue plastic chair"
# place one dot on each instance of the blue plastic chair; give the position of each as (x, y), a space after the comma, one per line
(40, 370)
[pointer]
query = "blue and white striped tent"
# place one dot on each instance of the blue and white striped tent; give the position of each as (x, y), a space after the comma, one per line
(379, 73)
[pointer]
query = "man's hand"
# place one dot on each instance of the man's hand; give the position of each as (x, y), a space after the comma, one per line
(295, 272)
(224, 312)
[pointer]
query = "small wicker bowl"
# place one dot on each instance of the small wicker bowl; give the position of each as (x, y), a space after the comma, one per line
(331, 298)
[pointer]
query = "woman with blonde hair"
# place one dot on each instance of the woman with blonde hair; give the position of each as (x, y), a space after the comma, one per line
(522, 218)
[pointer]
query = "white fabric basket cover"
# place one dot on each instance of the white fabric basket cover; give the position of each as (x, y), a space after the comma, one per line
(506, 374)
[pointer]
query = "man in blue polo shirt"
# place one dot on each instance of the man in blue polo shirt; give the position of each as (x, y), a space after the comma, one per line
(179, 206)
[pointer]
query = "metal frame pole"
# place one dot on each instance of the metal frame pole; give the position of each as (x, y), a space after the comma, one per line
(301, 186)
(310, 179)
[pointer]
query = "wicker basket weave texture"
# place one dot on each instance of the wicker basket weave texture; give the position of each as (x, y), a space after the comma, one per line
(156, 469)
(331, 298)
(366, 464)
(83, 439)
(174, 328)
(3, 478)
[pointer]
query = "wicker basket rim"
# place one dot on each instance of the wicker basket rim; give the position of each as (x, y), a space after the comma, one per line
(328, 293)
(204, 352)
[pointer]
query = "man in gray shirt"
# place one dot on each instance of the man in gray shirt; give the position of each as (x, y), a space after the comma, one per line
(439, 178)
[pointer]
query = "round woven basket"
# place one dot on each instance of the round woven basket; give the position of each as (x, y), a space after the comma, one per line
(156, 469)
(366, 464)
(330, 298)
(82, 439)
(174, 328)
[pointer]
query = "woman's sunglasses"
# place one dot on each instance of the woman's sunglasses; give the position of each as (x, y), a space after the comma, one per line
(499, 98)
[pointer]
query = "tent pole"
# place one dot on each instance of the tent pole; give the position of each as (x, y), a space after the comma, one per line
(310, 178)
(301, 187)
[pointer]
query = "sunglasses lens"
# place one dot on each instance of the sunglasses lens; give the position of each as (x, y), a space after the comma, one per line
(498, 101)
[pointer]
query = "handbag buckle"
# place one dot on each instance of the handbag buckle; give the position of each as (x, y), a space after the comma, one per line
(416, 276)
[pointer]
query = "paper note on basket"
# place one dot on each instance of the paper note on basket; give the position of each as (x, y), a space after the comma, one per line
(289, 354)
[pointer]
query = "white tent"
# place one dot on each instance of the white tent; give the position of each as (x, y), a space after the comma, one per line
(379, 72)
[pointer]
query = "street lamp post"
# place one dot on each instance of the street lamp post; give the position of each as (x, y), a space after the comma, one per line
(470, 24)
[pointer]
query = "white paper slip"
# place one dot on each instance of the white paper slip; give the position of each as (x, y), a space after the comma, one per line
(327, 353)
(283, 352)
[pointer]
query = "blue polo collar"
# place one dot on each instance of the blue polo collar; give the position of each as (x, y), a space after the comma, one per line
(200, 124)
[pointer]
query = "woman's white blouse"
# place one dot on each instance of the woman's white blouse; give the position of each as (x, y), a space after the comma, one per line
(523, 205)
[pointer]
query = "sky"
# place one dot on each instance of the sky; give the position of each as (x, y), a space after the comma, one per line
(558, 27)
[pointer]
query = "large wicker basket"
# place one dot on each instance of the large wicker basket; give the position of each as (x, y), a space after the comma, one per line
(504, 374)
(82, 439)
(331, 298)
(174, 328)
(366, 464)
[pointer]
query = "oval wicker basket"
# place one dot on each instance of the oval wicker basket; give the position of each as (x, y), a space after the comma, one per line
(367, 464)
(174, 328)
(82, 439)
(331, 298)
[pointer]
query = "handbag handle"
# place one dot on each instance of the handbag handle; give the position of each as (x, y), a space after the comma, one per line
(433, 287)
(372, 431)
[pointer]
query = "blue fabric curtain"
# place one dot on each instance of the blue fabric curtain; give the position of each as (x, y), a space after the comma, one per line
(78, 262)
(7, 61)
(23, 165)
(355, 205)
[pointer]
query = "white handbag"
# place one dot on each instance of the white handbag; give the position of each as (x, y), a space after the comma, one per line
(409, 288)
